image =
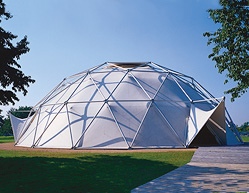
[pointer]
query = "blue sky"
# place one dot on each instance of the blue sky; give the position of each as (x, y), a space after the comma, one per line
(67, 37)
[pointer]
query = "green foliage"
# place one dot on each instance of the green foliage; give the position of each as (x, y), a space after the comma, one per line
(40, 171)
(1, 120)
(21, 112)
(12, 79)
(244, 127)
(5, 129)
(231, 44)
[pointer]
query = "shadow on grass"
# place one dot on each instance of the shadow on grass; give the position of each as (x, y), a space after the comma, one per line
(98, 173)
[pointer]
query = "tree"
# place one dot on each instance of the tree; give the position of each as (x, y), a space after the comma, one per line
(5, 129)
(12, 79)
(244, 127)
(22, 112)
(1, 120)
(231, 44)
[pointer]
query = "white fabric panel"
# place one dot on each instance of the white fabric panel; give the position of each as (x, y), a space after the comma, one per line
(171, 91)
(130, 90)
(144, 69)
(29, 131)
(72, 89)
(205, 105)
(129, 116)
(155, 132)
(197, 120)
(151, 82)
(219, 124)
(39, 123)
(27, 135)
(106, 82)
(219, 115)
(104, 132)
(86, 91)
(59, 95)
(191, 91)
(17, 125)
(57, 132)
(80, 117)
(176, 113)
(46, 115)
(60, 89)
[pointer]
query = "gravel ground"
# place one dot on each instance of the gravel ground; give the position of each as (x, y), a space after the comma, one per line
(12, 147)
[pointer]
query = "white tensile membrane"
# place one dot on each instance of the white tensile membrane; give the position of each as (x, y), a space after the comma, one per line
(127, 105)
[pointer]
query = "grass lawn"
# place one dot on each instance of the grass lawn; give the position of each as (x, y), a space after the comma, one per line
(245, 138)
(6, 139)
(41, 171)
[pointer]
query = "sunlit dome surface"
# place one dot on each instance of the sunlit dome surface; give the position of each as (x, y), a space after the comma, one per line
(127, 105)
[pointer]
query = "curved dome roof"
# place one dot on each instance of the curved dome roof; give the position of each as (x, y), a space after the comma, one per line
(126, 105)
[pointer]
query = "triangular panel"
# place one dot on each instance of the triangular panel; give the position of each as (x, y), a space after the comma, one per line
(26, 137)
(196, 121)
(86, 91)
(80, 117)
(104, 132)
(171, 91)
(151, 82)
(173, 111)
(17, 125)
(59, 97)
(218, 123)
(107, 82)
(39, 122)
(191, 91)
(129, 116)
(57, 132)
(129, 89)
(155, 132)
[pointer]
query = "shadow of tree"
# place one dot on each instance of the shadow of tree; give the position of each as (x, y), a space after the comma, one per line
(95, 173)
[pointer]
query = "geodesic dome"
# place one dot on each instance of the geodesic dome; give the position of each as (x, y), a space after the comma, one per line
(127, 105)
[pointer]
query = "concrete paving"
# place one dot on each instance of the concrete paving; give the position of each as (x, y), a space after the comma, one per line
(212, 169)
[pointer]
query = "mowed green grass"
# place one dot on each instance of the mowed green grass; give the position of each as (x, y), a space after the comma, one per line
(6, 139)
(245, 138)
(41, 171)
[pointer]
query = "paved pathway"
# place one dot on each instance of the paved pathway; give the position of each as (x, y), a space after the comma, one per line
(212, 169)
